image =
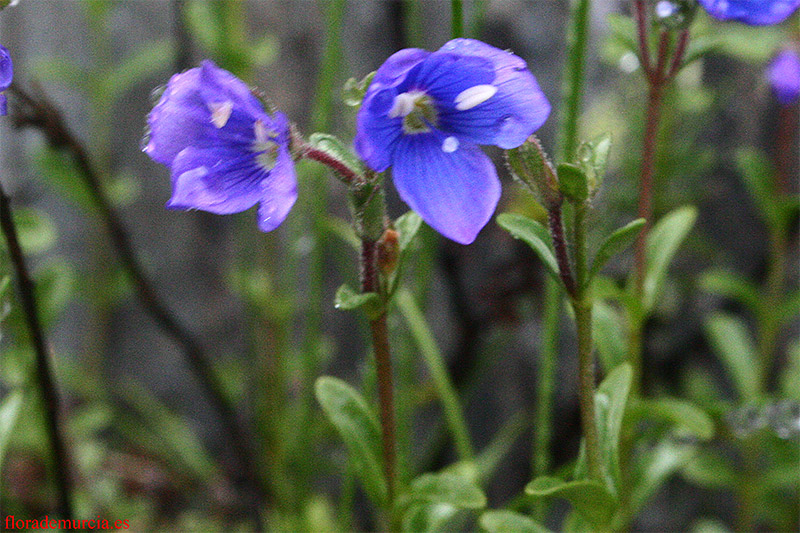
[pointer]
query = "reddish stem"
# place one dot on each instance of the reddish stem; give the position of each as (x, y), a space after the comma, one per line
(560, 245)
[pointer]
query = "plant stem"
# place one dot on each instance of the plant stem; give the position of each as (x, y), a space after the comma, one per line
(658, 77)
(456, 19)
(43, 371)
(578, 39)
(560, 245)
(383, 364)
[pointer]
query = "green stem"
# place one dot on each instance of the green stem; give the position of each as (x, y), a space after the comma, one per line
(582, 305)
(456, 19)
(574, 79)
(43, 371)
(433, 357)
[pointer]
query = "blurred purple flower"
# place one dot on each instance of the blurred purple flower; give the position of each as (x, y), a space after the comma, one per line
(225, 152)
(754, 12)
(784, 76)
(424, 115)
(6, 74)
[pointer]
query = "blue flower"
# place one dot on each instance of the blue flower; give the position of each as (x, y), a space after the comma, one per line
(784, 77)
(754, 12)
(424, 115)
(225, 152)
(6, 74)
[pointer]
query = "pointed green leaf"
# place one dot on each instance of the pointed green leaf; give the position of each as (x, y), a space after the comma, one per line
(731, 285)
(407, 225)
(759, 177)
(595, 503)
(609, 335)
(572, 182)
(534, 234)
(347, 299)
(654, 467)
(359, 430)
(510, 522)
(447, 488)
(614, 244)
(679, 413)
(662, 245)
(734, 346)
(9, 412)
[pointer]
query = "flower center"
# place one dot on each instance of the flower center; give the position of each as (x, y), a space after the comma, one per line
(417, 110)
(265, 148)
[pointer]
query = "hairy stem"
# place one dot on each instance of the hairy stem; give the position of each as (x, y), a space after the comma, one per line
(43, 371)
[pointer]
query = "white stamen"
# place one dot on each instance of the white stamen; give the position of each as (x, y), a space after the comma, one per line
(469, 98)
(450, 145)
(220, 112)
(261, 132)
(403, 104)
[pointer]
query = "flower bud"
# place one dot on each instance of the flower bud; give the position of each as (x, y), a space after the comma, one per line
(530, 165)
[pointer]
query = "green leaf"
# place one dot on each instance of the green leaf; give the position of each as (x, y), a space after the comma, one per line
(430, 518)
(655, 467)
(534, 234)
(407, 225)
(731, 285)
(591, 499)
(447, 488)
(711, 470)
(610, 401)
(9, 412)
(347, 299)
(179, 443)
(336, 149)
(60, 70)
(593, 159)
(662, 245)
(759, 177)
(572, 182)
(700, 46)
(614, 244)
(680, 413)
(734, 346)
(359, 430)
(609, 335)
(509, 522)
(354, 90)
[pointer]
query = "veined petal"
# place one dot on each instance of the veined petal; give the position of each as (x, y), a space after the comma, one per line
(754, 12)
(215, 180)
(278, 192)
(507, 117)
(376, 133)
(394, 69)
(452, 186)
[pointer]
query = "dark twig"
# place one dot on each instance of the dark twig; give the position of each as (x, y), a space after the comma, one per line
(43, 371)
(38, 112)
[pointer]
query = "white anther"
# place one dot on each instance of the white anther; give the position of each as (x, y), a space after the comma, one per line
(220, 112)
(403, 104)
(469, 98)
(450, 145)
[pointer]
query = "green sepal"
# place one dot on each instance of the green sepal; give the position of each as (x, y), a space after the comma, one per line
(354, 90)
(593, 159)
(335, 148)
(358, 428)
(590, 498)
(530, 165)
(347, 299)
(572, 182)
